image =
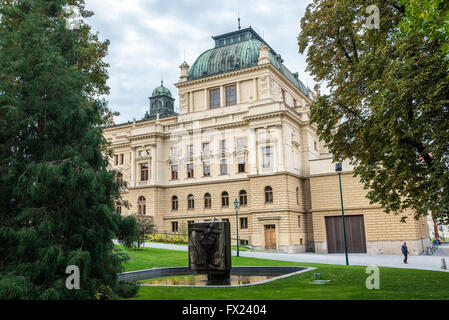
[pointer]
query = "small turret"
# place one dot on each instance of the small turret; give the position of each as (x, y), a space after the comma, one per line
(184, 72)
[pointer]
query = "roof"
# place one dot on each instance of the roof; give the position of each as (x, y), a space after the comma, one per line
(238, 50)
(161, 90)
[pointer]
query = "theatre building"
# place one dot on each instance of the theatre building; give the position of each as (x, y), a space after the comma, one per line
(242, 132)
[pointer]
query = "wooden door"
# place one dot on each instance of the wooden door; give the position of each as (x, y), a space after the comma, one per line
(355, 234)
(270, 236)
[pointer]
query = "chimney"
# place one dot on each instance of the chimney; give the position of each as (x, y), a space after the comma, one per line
(184, 72)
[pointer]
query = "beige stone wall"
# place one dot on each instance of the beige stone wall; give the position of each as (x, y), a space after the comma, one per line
(383, 231)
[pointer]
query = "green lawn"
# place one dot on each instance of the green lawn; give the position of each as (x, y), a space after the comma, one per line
(347, 282)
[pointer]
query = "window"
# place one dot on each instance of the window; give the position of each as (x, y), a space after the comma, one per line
(240, 142)
(141, 204)
(116, 159)
(283, 94)
(294, 103)
(143, 171)
(214, 98)
(267, 157)
(222, 145)
(241, 163)
(118, 208)
(174, 152)
(174, 172)
(223, 166)
(299, 221)
(243, 198)
(207, 201)
(231, 95)
(297, 195)
(190, 170)
(119, 179)
(190, 221)
(174, 226)
(225, 219)
(122, 157)
(190, 150)
(206, 168)
(243, 223)
(244, 242)
(174, 203)
(224, 199)
(268, 194)
(315, 146)
(190, 201)
(206, 147)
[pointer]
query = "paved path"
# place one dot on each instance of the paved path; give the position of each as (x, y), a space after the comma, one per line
(394, 261)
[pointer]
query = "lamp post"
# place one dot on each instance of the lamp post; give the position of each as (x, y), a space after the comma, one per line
(236, 205)
(338, 168)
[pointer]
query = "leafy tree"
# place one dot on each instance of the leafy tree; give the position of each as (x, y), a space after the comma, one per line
(56, 194)
(429, 17)
(387, 106)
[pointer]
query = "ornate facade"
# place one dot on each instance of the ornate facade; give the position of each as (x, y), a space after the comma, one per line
(243, 133)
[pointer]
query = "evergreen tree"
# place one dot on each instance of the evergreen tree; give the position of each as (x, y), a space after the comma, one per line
(56, 195)
(387, 110)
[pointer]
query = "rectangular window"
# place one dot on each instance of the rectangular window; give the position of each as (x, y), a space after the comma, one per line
(225, 219)
(222, 145)
(243, 223)
(241, 162)
(206, 168)
(283, 94)
(214, 98)
(122, 157)
(206, 147)
(174, 152)
(144, 172)
(174, 226)
(240, 142)
(190, 150)
(174, 172)
(116, 159)
(190, 170)
(223, 166)
(267, 157)
(231, 95)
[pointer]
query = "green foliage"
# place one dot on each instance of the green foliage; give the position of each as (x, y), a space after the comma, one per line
(431, 18)
(56, 194)
(129, 232)
(125, 289)
(387, 109)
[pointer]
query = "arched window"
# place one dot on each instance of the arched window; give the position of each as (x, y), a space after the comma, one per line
(207, 201)
(119, 179)
(224, 199)
(174, 203)
(243, 198)
(141, 204)
(268, 194)
(190, 201)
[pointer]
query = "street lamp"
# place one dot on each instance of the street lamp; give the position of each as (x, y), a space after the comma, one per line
(338, 168)
(236, 206)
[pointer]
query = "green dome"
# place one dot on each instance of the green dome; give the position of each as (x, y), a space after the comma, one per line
(227, 58)
(238, 50)
(159, 91)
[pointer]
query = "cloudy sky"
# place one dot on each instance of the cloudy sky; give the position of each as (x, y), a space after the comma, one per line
(149, 38)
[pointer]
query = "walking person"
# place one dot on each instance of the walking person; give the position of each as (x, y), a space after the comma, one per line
(404, 250)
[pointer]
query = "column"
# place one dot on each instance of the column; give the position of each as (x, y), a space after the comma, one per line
(190, 108)
(153, 172)
(252, 151)
(222, 100)
(237, 89)
(133, 166)
(280, 138)
(206, 102)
